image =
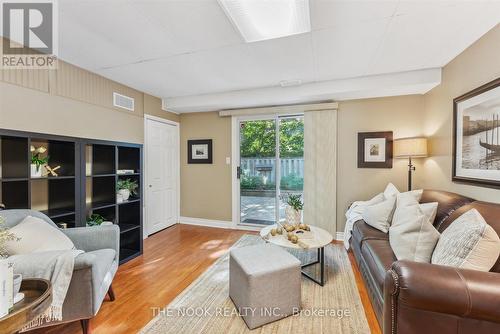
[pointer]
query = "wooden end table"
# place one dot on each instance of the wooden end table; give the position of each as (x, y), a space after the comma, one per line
(321, 239)
(37, 299)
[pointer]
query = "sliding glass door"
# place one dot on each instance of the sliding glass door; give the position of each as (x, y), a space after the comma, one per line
(271, 166)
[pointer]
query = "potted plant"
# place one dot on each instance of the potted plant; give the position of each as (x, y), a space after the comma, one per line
(294, 208)
(96, 219)
(125, 188)
(37, 162)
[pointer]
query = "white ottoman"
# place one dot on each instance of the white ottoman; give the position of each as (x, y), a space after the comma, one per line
(264, 283)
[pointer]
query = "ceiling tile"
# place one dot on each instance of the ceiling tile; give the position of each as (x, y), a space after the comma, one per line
(346, 51)
(429, 38)
(333, 13)
(193, 25)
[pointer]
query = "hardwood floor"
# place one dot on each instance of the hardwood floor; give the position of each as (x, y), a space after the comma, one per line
(172, 259)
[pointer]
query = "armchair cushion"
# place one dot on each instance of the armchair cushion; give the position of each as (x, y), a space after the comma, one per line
(94, 238)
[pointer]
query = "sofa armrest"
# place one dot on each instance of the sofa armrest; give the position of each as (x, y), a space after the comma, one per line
(441, 290)
(96, 237)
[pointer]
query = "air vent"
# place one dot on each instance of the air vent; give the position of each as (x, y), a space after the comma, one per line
(122, 101)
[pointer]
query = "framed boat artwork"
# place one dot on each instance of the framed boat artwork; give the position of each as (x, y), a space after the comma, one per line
(476, 131)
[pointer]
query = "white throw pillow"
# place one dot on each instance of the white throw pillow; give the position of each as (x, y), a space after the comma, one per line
(379, 215)
(358, 207)
(36, 236)
(390, 191)
(468, 243)
(430, 210)
(409, 197)
(412, 235)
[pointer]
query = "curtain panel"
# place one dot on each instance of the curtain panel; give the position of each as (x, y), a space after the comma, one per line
(320, 169)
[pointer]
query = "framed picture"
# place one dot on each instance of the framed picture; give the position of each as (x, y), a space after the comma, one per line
(200, 151)
(375, 149)
(476, 136)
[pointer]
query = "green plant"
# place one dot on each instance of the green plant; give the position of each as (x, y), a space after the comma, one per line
(258, 138)
(248, 182)
(129, 184)
(295, 201)
(38, 161)
(95, 220)
(292, 182)
(5, 236)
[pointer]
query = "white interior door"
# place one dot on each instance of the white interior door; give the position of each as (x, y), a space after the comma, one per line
(162, 174)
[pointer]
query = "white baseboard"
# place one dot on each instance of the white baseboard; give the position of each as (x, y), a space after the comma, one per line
(229, 225)
(205, 222)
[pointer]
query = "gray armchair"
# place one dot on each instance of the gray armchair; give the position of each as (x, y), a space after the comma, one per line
(94, 270)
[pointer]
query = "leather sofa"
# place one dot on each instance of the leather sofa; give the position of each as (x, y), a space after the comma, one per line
(410, 297)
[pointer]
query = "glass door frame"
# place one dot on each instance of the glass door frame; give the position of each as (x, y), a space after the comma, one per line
(236, 159)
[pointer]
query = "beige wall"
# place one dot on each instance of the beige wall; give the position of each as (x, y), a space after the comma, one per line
(152, 106)
(74, 102)
(477, 65)
(403, 116)
(206, 189)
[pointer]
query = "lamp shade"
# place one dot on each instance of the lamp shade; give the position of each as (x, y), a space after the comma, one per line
(410, 147)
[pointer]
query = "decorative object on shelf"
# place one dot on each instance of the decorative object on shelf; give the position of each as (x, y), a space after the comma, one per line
(16, 295)
(5, 236)
(375, 149)
(126, 187)
(50, 170)
(293, 211)
(36, 161)
(200, 151)
(63, 225)
(97, 220)
(410, 148)
(476, 136)
(7, 284)
(124, 171)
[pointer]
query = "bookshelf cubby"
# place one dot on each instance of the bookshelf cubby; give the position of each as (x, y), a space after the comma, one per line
(86, 182)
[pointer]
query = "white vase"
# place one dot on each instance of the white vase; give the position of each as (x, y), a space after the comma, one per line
(36, 172)
(293, 216)
(125, 193)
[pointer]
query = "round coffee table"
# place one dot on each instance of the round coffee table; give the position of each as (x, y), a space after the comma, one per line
(321, 239)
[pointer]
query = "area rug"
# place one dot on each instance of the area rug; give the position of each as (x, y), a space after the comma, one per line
(205, 307)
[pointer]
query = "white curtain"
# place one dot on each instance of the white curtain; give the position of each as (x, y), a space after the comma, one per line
(320, 169)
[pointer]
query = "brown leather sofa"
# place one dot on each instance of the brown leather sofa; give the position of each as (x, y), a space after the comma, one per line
(410, 297)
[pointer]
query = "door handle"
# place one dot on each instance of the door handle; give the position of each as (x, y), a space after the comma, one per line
(238, 172)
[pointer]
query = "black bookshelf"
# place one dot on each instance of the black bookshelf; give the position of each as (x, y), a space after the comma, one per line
(86, 182)
(103, 161)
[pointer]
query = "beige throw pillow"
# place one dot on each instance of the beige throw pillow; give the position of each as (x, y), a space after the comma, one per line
(412, 235)
(468, 243)
(379, 215)
(36, 236)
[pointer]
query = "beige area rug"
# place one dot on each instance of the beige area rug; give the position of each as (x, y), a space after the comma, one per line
(205, 307)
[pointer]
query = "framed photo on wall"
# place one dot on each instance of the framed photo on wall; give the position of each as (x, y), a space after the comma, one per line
(476, 136)
(375, 149)
(200, 151)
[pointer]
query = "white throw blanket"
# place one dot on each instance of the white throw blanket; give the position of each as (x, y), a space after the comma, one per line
(354, 213)
(55, 266)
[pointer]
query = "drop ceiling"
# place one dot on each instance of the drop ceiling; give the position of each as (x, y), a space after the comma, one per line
(188, 50)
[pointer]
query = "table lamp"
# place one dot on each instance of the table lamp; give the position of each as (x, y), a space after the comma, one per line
(415, 147)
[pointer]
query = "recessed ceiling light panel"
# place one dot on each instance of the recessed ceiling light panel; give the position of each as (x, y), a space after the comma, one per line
(258, 20)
